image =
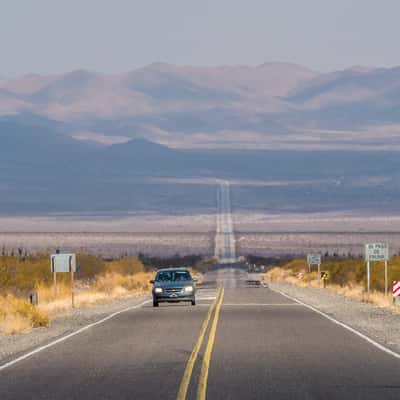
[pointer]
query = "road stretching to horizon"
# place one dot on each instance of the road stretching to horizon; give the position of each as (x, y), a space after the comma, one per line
(237, 343)
(225, 245)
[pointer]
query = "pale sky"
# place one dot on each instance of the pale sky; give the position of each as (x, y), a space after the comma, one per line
(52, 36)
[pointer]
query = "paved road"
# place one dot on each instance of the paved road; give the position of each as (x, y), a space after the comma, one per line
(237, 343)
(225, 246)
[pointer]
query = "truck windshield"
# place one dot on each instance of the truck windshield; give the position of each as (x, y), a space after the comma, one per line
(173, 276)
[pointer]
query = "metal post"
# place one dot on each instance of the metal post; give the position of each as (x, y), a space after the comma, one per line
(368, 279)
(72, 289)
(319, 274)
(55, 282)
(386, 278)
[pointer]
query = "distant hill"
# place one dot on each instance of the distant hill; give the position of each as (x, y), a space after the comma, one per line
(33, 137)
(140, 148)
(347, 86)
(273, 105)
(43, 170)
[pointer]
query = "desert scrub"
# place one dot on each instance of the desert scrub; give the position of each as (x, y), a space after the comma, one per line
(114, 283)
(21, 274)
(97, 280)
(342, 272)
(124, 266)
(18, 315)
(346, 276)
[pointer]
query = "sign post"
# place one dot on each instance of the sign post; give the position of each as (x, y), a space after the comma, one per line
(376, 252)
(55, 284)
(386, 278)
(53, 270)
(72, 289)
(63, 263)
(314, 259)
(368, 279)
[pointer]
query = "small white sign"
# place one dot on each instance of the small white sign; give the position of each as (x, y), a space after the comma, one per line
(63, 262)
(377, 252)
(314, 259)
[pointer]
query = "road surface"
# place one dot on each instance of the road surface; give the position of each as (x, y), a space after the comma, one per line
(225, 246)
(237, 343)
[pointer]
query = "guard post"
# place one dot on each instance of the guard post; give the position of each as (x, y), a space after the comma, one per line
(396, 292)
(324, 278)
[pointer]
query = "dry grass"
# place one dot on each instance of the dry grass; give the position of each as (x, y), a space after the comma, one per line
(109, 286)
(115, 284)
(19, 315)
(356, 291)
(106, 287)
(97, 281)
(196, 275)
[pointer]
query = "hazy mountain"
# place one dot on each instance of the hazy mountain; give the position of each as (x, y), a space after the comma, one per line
(273, 105)
(44, 171)
(350, 99)
(289, 110)
(26, 84)
(226, 83)
(347, 86)
(157, 97)
(37, 150)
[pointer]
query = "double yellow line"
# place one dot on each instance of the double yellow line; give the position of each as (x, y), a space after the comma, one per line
(202, 385)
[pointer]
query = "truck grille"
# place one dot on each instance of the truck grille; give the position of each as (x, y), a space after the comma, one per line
(173, 290)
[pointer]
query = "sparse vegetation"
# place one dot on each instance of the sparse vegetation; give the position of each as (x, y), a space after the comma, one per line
(345, 275)
(96, 280)
(174, 261)
(18, 315)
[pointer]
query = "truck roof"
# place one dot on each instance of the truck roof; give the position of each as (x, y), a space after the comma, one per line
(174, 269)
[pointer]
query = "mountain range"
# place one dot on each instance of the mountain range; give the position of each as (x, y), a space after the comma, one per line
(44, 170)
(158, 138)
(271, 106)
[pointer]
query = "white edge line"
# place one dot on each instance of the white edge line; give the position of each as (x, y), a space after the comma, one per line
(343, 325)
(261, 304)
(64, 338)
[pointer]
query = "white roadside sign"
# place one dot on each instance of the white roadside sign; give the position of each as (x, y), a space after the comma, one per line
(63, 262)
(377, 252)
(314, 259)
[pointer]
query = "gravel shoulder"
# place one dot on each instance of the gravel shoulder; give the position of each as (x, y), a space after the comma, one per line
(379, 324)
(68, 322)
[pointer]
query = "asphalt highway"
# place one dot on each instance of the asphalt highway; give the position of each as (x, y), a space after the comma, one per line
(239, 342)
(225, 245)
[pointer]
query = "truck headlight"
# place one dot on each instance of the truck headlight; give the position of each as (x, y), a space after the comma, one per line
(158, 290)
(188, 289)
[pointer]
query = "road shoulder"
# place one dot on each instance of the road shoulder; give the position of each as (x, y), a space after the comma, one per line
(377, 323)
(69, 322)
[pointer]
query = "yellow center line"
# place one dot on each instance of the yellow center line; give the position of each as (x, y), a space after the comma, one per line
(202, 387)
(183, 388)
